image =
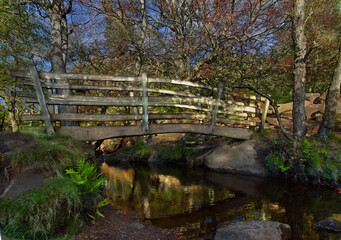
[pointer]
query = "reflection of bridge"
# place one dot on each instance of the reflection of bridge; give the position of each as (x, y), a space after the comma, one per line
(132, 106)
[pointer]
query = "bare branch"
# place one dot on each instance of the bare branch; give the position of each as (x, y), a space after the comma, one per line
(272, 103)
(313, 46)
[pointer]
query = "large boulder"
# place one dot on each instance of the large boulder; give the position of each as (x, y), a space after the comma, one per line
(110, 145)
(311, 110)
(254, 230)
(311, 97)
(241, 158)
(286, 108)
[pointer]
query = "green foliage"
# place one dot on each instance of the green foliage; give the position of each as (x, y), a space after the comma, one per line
(138, 150)
(177, 152)
(89, 182)
(86, 176)
(43, 212)
(312, 160)
(334, 138)
(59, 206)
(258, 134)
(274, 162)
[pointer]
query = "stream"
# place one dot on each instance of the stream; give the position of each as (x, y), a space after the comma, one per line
(196, 201)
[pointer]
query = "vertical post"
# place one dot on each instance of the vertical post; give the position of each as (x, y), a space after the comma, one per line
(215, 112)
(135, 112)
(264, 114)
(145, 124)
(41, 99)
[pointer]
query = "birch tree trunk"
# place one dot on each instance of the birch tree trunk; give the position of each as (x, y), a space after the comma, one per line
(331, 102)
(300, 42)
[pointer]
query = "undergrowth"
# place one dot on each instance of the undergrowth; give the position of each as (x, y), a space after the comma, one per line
(312, 161)
(42, 212)
(138, 150)
(54, 154)
(63, 204)
(177, 152)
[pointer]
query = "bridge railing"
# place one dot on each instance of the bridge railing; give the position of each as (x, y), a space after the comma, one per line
(139, 101)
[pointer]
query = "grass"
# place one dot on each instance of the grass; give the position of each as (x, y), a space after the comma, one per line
(43, 212)
(53, 154)
(60, 206)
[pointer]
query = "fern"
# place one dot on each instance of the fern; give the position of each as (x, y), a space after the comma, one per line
(86, 177)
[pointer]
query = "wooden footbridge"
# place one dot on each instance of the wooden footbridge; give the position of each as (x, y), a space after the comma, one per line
(112, 106)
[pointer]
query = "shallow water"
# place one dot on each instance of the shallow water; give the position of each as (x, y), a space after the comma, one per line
(196, 201)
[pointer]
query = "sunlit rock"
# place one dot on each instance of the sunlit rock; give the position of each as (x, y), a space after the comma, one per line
(254, 230)
(240, 158)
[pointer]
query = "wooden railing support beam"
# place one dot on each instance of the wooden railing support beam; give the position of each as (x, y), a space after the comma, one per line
(215, 112)
(41, 99)
(264, 114)
(145, 120)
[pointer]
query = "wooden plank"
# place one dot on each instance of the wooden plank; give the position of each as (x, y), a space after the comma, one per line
(247, 96)
(136, 89)
(238, 121)
(108, 88)
(84, 100)
(114, 117)
(41, 99)
(99, 133)
(180, 82)
(122, 101)
(145, 124)
(95, 77)
(135, 101)
(75, 76)
(215, 112)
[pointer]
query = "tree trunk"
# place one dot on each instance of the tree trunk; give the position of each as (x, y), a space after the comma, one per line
(13, 121)
(10, 100)
(59, 47)
(331, 102)
(300, 41)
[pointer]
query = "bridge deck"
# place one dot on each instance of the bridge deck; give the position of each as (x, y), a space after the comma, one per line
(98, 132)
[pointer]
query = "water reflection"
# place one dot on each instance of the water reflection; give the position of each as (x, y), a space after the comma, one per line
(157, 195)
(195, 201)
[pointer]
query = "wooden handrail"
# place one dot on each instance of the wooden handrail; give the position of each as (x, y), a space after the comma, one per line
(140, 93)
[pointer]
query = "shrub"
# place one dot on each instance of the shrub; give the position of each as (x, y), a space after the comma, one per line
(312, 160)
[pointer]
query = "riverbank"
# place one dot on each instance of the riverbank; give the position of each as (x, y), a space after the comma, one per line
(121, 226)
(40, 155)
(35, 188)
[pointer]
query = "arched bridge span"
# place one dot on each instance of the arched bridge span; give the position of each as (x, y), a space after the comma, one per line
(113, 106)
